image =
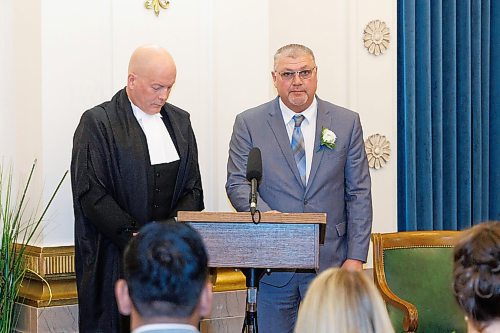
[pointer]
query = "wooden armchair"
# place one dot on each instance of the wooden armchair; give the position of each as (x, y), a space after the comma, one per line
(413, 271)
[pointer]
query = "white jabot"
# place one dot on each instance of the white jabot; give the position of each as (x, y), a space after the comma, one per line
(308, 128)
(160, 145)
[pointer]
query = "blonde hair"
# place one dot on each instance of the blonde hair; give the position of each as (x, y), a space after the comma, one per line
(342, 301)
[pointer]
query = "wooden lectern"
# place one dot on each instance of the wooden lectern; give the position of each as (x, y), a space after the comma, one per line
(280, 240)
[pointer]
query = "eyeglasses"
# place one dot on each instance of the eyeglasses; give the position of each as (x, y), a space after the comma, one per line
(303, 74)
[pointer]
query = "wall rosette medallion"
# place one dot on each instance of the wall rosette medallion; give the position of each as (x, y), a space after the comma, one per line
(156, 5)
(378, 151)
(376, 37)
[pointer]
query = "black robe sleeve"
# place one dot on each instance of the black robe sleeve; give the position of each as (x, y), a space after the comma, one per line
(92, 162)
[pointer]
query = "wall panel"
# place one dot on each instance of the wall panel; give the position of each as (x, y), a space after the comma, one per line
(74, 57)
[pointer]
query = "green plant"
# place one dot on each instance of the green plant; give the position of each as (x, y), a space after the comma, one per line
(18, 225)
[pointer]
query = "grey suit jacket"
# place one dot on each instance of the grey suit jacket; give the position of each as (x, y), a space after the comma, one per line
(339, 181)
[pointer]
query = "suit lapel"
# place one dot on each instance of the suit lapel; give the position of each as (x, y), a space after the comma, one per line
(323, 119)
(277, 125)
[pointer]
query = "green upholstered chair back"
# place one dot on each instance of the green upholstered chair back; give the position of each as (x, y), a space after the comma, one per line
(413, 271)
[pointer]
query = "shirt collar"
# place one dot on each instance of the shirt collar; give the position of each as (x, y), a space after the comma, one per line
(151, 327)
(139, 114)
(308, 113)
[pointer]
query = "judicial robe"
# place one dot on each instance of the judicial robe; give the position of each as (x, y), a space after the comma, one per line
(111, 181)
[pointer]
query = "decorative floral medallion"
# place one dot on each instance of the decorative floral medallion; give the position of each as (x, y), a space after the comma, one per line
(156, 5)
(378, 151)
(328, 138)
(376, 37)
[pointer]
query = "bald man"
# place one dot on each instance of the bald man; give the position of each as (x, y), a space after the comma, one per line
(134, 161)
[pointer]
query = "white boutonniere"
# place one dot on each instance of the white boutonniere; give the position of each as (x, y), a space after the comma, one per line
(328, 138)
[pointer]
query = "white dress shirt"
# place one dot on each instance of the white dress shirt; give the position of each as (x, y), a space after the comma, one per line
(308, 128)
(160, 145)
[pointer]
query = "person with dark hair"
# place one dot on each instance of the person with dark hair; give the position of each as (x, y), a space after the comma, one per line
(476, 276)
(165, 287)
(134, 160)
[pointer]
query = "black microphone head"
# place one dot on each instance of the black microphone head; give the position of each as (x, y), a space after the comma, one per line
(254, 165)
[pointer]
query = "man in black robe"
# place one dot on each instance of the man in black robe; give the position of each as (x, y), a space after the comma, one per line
(134, 161)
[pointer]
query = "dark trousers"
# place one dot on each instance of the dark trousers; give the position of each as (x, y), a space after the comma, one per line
(277, 307)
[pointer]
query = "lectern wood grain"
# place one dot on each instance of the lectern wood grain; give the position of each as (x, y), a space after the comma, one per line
(280, 240)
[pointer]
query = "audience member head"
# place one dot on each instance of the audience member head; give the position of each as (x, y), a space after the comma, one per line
(340, 301)
(151, 75)
(295, 76)
(165, 280)
(476, 276)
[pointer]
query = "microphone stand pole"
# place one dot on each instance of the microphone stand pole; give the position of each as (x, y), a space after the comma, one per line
(253, 276)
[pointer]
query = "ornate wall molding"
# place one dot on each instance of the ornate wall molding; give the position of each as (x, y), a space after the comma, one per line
(51, 261)
(376, 37)
(156, 5)
(378, 151)
(51, 279)
(227, 279)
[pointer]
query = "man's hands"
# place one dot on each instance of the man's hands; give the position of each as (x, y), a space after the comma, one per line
(352, 265)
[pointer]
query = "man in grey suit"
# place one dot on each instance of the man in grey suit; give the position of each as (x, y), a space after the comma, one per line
(313, 160)
(165, 286)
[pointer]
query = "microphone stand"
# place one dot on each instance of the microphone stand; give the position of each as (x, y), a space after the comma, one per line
(253, 276)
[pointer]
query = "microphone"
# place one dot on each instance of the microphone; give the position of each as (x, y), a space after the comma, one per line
(254, 175)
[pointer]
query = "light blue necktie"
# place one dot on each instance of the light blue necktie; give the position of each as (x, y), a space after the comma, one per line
(298, 147)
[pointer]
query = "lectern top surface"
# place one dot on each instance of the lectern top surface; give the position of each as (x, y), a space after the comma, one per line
(245, 217)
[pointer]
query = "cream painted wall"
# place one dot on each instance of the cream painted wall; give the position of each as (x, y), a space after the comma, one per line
(76, 61)
(7, 115)
(20, 95)
(241, 65)
(78, 58)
